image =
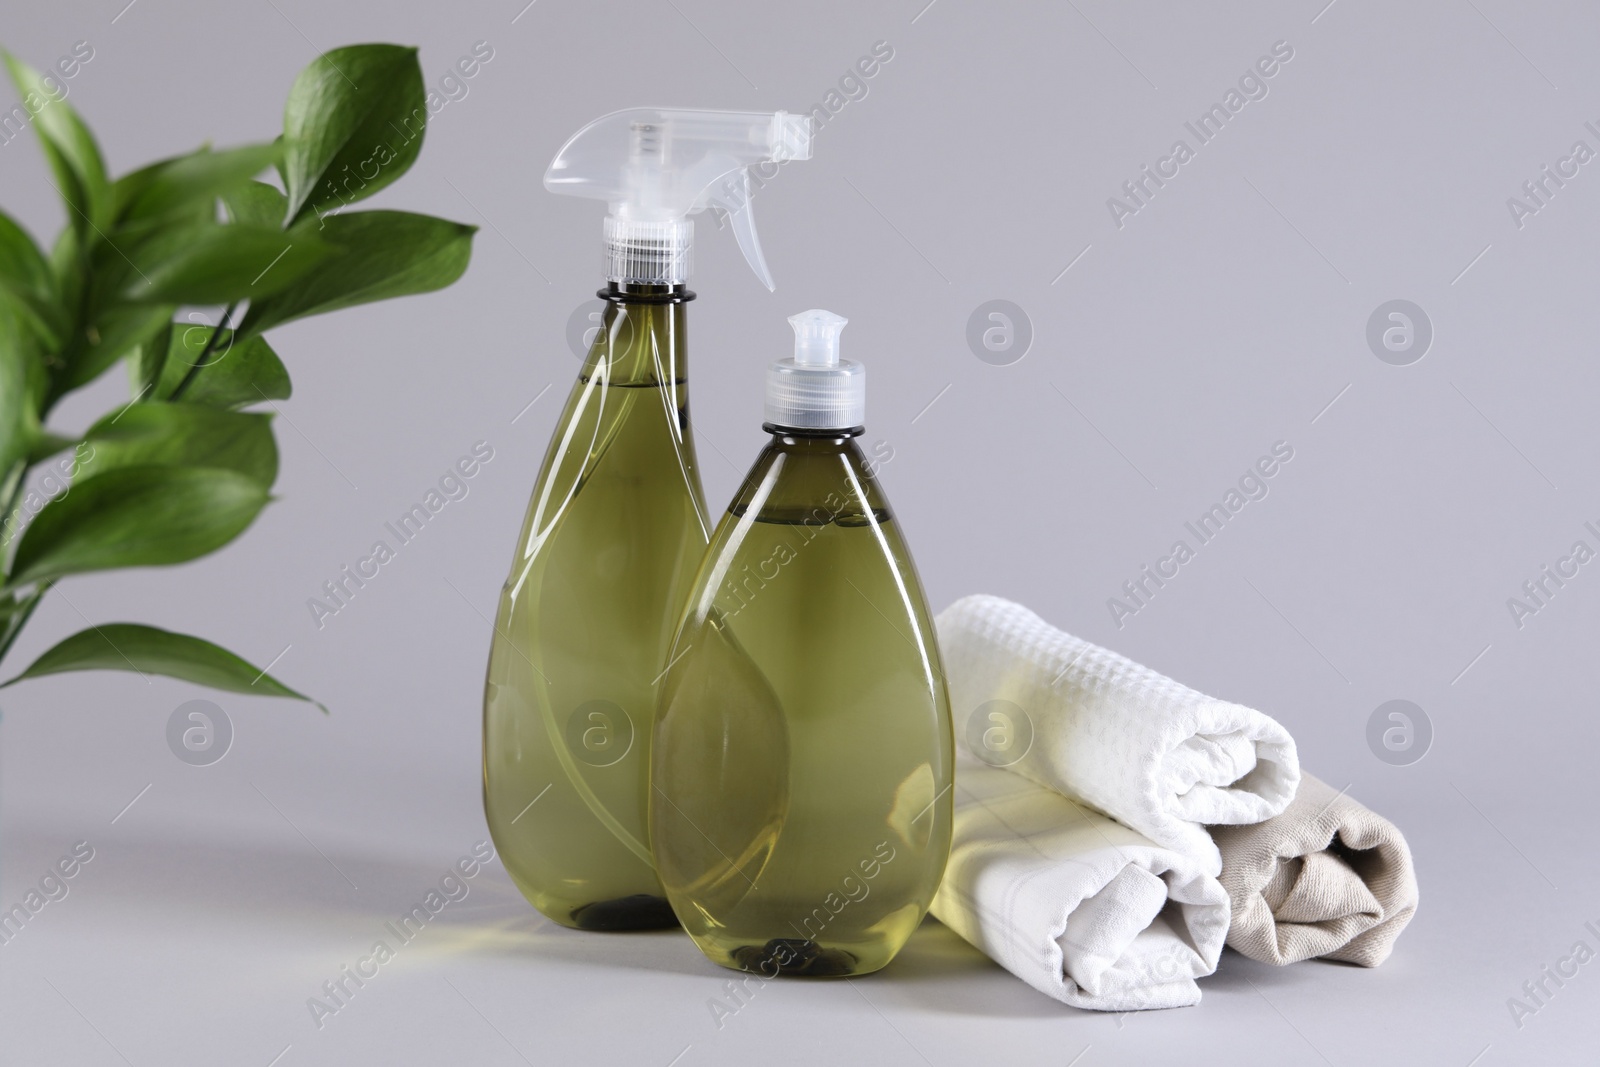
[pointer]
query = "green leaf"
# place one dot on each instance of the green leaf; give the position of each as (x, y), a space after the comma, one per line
(69, 147)
(22, 265)
(67, 265)
(26, 280)
(354, 123)
(15, 438)
(147, 365)
(189, 183)
(257, 203)
(237, 374)
(385, 254)
(129, 646)
(137, 517)
(216, 264)
(47, 444)
(181, 435)
(116, 332)
(21, 380)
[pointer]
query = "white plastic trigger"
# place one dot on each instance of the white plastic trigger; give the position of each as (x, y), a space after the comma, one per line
(733, 198)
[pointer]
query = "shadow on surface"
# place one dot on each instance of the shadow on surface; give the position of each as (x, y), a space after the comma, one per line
(277, 885)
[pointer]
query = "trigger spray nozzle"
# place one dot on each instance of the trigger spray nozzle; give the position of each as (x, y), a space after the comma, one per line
(655, 168)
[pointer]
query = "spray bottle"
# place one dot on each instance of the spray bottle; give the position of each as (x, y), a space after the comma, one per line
(800, 809)
(617, 523)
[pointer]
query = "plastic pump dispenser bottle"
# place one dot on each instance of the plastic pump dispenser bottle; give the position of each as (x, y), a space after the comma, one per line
(801, 768)
(616, 526)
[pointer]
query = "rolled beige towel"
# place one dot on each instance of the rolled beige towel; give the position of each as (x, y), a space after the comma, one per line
(1327, 878)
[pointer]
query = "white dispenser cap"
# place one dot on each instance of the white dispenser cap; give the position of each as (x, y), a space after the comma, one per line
(655, 167)
(816, 390)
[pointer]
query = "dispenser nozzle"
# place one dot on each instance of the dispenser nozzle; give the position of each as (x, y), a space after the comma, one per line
(816, 337)
(816, 390)
(655, 168)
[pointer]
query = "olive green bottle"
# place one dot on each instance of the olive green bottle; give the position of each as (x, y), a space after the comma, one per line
(610, 545)
(800, 807)
(616, 527)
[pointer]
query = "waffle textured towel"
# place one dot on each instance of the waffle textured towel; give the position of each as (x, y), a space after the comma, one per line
(1154, 754)
(1081, 908)
(1326, 878)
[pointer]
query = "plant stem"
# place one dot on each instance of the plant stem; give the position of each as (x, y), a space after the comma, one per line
(19, 471)
(205, 353)
(13, 626)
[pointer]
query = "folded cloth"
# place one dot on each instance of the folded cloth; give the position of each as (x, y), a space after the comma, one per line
(1080, 907)
(1154, 754)
(1326, 878)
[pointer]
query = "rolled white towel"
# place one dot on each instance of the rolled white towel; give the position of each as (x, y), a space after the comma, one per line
(1156, 755)
(1081, 908)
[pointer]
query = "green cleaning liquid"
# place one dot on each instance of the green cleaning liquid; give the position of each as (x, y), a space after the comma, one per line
(617, 524)
(800, 809)
(613, 535)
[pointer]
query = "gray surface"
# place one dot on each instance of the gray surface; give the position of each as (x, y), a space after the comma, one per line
(1223, 317)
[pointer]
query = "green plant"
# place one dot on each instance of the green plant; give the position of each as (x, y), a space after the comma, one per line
(182, 469)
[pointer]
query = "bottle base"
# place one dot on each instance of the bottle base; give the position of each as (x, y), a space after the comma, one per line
(794, 957)
(641, 911)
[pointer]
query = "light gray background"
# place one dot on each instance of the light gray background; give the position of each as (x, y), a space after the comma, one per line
(1225, 316)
